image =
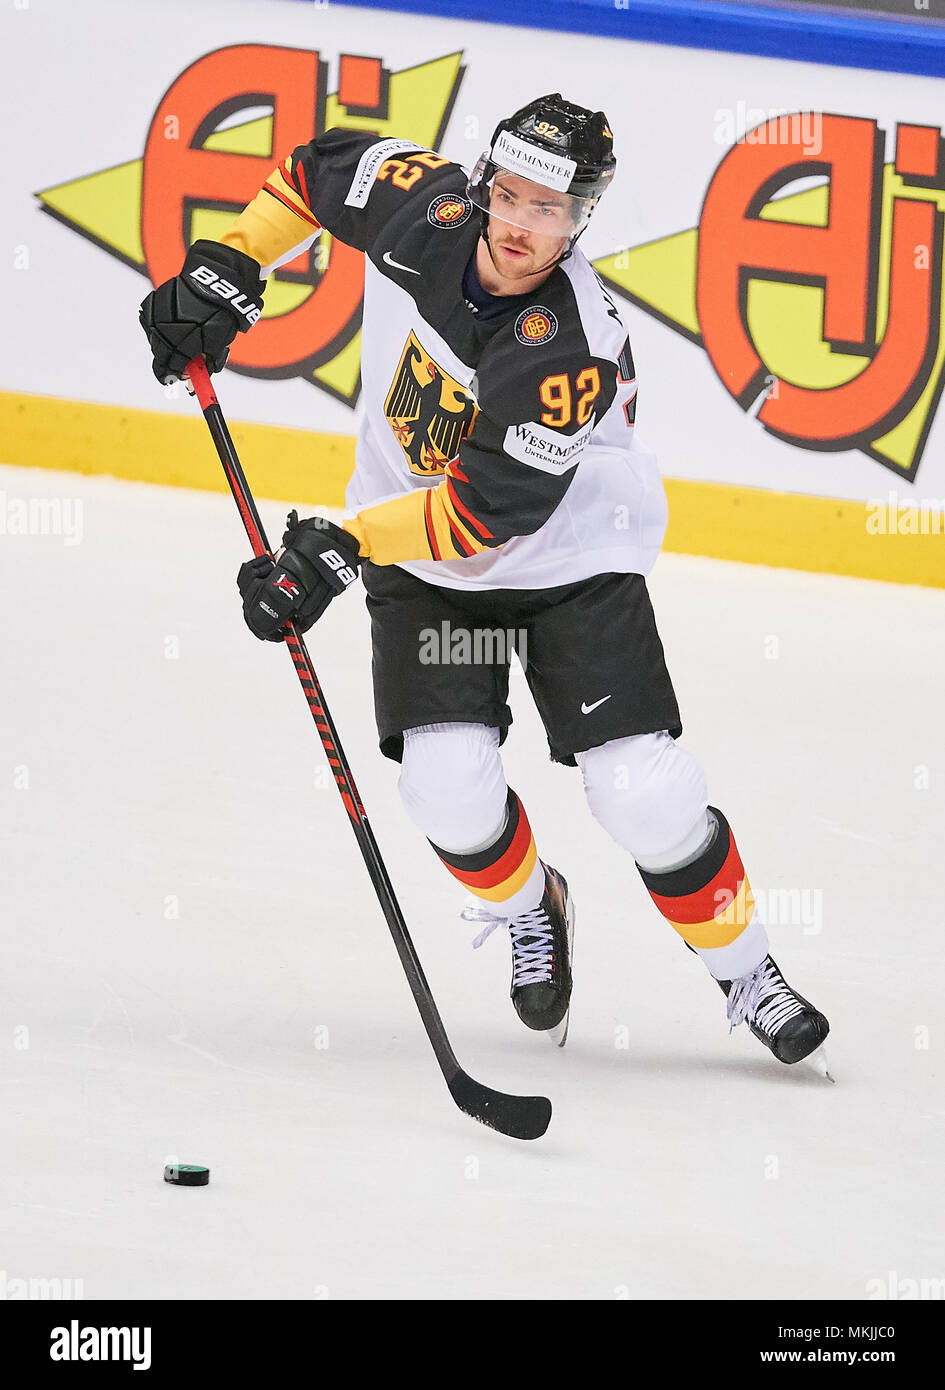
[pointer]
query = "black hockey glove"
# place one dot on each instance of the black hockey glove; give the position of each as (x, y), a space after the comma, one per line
(217, 294)
(319, 561)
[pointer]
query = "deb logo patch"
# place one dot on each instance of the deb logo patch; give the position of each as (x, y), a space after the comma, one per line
(449, 210)
(535, 325)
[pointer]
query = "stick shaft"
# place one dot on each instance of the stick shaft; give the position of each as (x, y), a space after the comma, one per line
(341, 771)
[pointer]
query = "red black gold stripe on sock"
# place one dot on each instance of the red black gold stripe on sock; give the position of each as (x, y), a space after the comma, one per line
(499, 871)
(709, 902)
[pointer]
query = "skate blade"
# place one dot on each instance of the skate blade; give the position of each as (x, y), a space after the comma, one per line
(817, 1061)
(559, 1034)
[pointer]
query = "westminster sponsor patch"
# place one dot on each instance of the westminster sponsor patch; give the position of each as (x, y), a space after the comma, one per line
(449, 210)
(369, 166)
(546, 449)
(541, 166)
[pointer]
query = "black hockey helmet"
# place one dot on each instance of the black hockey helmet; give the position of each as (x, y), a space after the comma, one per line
(556, 145)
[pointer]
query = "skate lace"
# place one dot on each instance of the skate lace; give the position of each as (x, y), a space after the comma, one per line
(532, 941)
(764, 998)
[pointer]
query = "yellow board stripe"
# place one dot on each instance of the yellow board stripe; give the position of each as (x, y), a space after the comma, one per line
(824, 535)
(790, 530)
(175, 450)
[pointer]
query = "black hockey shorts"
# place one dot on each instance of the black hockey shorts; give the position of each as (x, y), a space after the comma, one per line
(591, 654)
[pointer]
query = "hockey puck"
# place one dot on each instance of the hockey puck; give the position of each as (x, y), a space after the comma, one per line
(187, 1174)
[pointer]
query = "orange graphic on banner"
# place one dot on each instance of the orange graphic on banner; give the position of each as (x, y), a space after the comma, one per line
(213, 140)
(824, 302)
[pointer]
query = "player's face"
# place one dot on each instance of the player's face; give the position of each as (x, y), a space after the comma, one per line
(529, 226)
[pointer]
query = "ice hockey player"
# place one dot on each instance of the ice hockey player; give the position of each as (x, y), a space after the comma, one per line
(499, 486)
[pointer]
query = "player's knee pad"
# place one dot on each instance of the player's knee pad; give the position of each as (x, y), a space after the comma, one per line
(453, 785)
(649, 794)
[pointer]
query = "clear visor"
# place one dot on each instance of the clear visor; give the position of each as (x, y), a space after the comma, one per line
(531, 206)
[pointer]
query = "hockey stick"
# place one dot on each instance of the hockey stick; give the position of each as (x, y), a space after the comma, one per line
(520, 1117)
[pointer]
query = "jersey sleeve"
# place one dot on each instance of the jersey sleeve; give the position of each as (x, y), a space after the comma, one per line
(512, 470)
(346, 181)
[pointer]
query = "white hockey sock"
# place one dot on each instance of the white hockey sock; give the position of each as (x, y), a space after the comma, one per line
(454, 788)
(651, 796)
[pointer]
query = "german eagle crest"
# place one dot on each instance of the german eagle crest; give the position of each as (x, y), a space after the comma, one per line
(429, 411)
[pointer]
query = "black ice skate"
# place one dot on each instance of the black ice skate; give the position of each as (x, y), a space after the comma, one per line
(788, 1025)
(542, 941)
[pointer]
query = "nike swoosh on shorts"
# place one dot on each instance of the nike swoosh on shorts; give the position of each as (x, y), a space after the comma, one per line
(586, 709)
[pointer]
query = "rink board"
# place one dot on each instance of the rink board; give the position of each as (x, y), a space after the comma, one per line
(811, 375)
(874, 540)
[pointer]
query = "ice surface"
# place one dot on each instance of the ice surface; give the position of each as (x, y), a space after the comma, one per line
(194, 964)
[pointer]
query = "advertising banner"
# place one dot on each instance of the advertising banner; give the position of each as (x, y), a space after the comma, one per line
(774, 237)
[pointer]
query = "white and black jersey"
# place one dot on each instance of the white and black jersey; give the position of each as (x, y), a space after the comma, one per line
(496, 449)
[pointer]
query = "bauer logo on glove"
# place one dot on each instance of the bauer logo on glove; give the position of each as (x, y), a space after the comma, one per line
(231, 293)
(340, 565)
(200, 311)
(318, 562)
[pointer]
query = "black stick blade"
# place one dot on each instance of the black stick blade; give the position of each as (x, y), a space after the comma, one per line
(520, 1117)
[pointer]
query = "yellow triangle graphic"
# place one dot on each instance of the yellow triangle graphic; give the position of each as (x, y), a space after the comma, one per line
(660, 276)
(106, 207)
(809, 209)
(249, 137)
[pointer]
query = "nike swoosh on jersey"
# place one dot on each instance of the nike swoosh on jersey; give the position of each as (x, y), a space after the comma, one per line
(586, 709)
(389, 260)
